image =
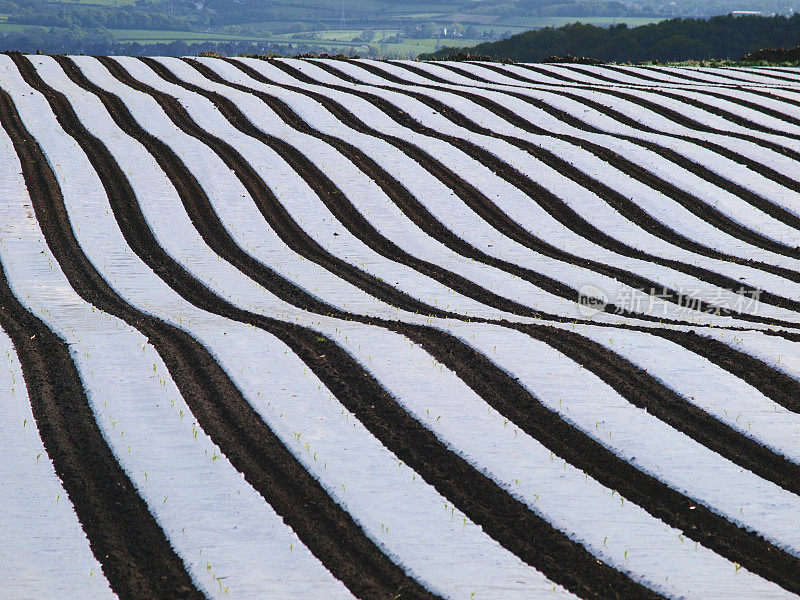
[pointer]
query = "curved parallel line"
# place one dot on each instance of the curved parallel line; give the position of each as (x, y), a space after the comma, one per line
(421, 73)
(279, 218)
(686, 122)
(705, 90)
(502, 69)
(750, 134)
(589, 73)
(495, 75)
(44, 547)
(595, 73)
(688, 201)
(195, 201)
(475, 543)
(620, 91)
(719, 220)
(136, 556)
(771, 112)
(419, 215)
(499, 222)
(779, 102)
(727, 73)
(271, 208)
(481, 79)
(416, 445)
(516, 403)
(325, 189)
(551, 203)
(788, 70)
(770, 70)
(681, 73)
(618, 201)
(639, 72)
(135, 401)
(527, 76)
(692, 123)
(718, 75)
(684, 73)
(710, 427)
(761, 202)
(221, 410)
(726, 113)
(545, 72)
(771, 94)
(780, 398)
(472, 197)
(212, 76)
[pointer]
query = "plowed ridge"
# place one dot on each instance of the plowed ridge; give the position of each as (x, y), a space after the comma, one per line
(333, 329)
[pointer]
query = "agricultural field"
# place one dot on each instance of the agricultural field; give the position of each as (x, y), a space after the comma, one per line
(383, 44)
(392, 329)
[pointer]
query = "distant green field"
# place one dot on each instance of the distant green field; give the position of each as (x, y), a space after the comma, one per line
(411, 48)
(12, 26)
(341, 40)
(158, 36)
(425, 16)
(99, 2)
(144, 36)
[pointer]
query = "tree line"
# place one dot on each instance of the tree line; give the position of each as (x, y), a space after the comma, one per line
(723, 37)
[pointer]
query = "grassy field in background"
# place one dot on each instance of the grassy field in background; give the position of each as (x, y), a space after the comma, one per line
(342, 40)
(12, 26)
(144, 36)
(100, 2)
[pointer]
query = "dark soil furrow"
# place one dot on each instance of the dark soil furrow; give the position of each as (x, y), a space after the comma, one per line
(135, 554)
(697, 522)
(547, 73)
(788, 74)
(760, 202)
(733, 117)
(717, 524)
(639, 74)
(692, 123)
(335, 200)
(219, 407)
(696, 416)
(508, 520)
(771, 112)
(564, 213)
(677, 117)
(728, 73)
(365, 414)
(720, 181)
(637, 172)
(270, 207)
(631, 169)
(194, 199)
(471, 196)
